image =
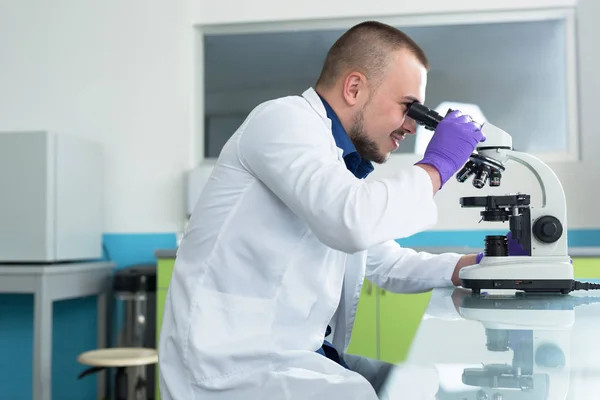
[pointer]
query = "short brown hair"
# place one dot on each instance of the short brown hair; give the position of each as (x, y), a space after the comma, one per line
(366, 48)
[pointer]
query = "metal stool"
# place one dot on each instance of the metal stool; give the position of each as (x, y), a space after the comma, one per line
(119, 358)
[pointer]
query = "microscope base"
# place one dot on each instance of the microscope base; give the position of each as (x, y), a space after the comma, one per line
(563, 286)
(541, 274)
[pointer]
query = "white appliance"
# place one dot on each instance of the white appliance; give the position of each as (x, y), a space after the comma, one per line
(51, 198)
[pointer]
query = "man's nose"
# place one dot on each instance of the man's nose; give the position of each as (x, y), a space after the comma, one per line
(409, 126)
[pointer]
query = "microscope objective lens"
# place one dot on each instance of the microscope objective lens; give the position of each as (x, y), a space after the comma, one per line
(481, 178)
(495, 177)
(466, 172)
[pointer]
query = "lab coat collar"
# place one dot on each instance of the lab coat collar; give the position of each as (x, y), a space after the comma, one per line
(346, 151)
(315, 102)
(342, 140)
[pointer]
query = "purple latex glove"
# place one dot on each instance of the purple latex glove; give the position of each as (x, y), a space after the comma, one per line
(453, 141)
(514, 247)
(478, 258)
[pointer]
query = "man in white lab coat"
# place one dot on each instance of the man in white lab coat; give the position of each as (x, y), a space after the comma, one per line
(286, 230)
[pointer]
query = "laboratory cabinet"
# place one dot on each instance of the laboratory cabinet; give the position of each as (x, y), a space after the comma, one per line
(52, 202)
(164, 265)
(386, 323)
(517, 67)
(365, 324)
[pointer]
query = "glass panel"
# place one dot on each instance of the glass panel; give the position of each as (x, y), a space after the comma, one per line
(515, 73)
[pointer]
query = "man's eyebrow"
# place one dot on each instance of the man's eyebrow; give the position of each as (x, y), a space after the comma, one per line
(410, 99)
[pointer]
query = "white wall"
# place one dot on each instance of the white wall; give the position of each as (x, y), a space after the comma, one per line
(579, 178)
(118, 72)
(122, 73)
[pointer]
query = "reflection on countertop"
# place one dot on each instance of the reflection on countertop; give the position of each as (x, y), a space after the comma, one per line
(504, 345)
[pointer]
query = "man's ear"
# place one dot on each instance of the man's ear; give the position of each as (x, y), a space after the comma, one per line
(354, 88)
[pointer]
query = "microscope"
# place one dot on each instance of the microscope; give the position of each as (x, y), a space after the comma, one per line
(541, 232)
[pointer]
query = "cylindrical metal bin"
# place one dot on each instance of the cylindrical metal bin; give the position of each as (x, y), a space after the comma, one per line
(134, 289)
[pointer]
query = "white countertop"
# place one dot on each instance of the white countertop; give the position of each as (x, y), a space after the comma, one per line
(553, 339)
(573, 251)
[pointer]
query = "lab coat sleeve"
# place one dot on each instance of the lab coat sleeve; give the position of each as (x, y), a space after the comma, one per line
(402, 270)
(289, 148)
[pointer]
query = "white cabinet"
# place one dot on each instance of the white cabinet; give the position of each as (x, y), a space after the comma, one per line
(52, 203)
(519, 68)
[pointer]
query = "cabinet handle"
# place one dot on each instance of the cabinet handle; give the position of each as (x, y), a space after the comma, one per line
(369, 288)
(382, 292)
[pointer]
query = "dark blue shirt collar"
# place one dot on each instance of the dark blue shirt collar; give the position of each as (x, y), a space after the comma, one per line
(354, 162)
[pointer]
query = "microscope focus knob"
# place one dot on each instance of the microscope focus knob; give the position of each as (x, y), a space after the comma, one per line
(547, 229)
(550, 356)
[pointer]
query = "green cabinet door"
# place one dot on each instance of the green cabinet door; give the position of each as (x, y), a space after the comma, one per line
(399, 318)
(364, 333)
(586, 267)
(161, 296)
(164, 272)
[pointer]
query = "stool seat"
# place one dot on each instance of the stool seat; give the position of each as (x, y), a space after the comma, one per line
(119, 357)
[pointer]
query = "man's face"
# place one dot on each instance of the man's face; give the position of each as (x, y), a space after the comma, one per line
(381, 123)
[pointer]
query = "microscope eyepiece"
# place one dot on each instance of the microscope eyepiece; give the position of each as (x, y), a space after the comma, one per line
(424, 116)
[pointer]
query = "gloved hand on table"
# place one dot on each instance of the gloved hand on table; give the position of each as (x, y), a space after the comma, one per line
(452, 143)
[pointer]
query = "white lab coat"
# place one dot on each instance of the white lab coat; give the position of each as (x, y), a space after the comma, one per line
(277, 248)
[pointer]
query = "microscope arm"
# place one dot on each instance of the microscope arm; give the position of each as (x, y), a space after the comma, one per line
(554, 203)
(552, 216)
(553, 195)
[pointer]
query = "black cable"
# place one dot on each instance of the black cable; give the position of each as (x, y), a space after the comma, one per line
(585, 286)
